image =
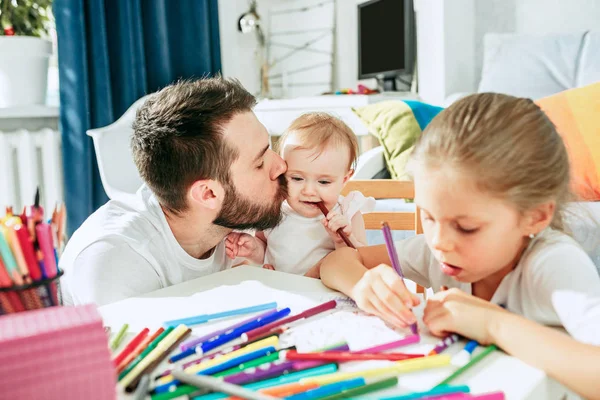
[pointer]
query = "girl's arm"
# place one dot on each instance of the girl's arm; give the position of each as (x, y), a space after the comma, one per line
(363, 275)
(574, 364)
(359, 234)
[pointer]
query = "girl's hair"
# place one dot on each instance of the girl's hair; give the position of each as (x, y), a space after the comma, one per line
(507, 144)
(316, 130)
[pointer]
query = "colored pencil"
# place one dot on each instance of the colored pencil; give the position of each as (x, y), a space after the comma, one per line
(304, 314)
(488, 350)
(344, 356)
(218, 385)
(340, 231)
(142, 390)
(391, 248)
(203, 318)
(195, 342)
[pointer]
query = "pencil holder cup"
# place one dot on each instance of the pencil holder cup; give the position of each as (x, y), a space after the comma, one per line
(31, 296)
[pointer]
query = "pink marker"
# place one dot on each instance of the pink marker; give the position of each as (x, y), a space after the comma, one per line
(392, 345)
(44, 237)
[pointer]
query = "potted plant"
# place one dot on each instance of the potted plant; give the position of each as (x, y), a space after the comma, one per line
(24, 51)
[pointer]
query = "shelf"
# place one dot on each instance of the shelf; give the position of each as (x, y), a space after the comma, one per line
(33, 111)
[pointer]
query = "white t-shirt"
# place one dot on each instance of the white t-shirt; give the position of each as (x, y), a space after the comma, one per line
(126, 248)
(298, 243)
(555, 282)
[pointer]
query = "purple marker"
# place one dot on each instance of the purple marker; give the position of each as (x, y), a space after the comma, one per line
(389, 243)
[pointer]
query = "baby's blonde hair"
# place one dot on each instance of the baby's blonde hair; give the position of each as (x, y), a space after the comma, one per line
(316, 130)
(507, 144)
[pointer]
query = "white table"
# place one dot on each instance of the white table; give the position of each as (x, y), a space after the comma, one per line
(497, 372)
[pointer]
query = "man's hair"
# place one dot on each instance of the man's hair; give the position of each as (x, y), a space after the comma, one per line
(178, 136)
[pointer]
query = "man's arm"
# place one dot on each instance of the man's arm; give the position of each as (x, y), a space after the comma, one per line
(106, 272)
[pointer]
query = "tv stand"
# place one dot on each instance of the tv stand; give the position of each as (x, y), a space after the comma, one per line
(391, 84)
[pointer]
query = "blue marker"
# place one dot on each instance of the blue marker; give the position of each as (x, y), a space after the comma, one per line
(228, 336)
(234, 362)
(327, 390)
(200, 319)
(464, 356)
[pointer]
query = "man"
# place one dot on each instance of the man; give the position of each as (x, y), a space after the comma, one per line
(208, 169)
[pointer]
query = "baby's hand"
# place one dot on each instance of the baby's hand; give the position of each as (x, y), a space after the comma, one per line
(382, 292)
(238, 244)
(269, 267)
(334, 221)
(458, 312)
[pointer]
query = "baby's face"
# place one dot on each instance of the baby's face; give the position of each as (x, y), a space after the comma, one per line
(313, 178)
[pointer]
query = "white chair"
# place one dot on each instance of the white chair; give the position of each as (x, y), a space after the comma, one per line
(119, 175)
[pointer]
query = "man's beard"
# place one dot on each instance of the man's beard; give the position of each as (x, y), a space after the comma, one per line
(241, 214)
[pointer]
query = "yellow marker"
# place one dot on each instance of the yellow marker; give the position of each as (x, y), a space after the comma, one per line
(160, 348)
(192, 369)
(399, 367)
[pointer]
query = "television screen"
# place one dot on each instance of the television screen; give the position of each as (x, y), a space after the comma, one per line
(381, 37)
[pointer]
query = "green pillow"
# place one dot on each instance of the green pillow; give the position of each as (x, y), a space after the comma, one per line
(397, 125)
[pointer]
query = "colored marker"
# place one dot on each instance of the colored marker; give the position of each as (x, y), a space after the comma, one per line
(436, 391)
(345, 356)
(398, 367)
(195, 342)
(229, 335)
(488, 350)
(444, 344)
(201, 319)
(389, 244)
(463, 357)
(304, 314)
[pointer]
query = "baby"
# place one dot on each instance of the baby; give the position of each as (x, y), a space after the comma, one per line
(321, 152)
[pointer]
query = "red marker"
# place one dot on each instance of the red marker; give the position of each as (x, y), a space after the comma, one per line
(253, 334)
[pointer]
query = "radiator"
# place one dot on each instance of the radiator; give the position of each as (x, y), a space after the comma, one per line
(28, 160)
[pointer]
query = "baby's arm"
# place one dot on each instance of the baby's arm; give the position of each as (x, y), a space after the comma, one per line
(354, 229)
(359, 234)
(239, 244)
(574, 364)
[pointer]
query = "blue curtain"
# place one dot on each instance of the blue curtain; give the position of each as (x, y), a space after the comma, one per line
(112, 52)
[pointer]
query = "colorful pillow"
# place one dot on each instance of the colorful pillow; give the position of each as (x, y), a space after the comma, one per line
(397, 125)
(576, 115)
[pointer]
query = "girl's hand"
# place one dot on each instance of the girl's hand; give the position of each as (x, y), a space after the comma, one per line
(382, 292)
(458, 312)
(334, 221)
(238, 244)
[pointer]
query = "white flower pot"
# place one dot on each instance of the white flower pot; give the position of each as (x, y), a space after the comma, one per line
(23, 70)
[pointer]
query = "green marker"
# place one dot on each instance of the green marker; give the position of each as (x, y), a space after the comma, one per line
(150, 347)
(473, 361)
(114, 344)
